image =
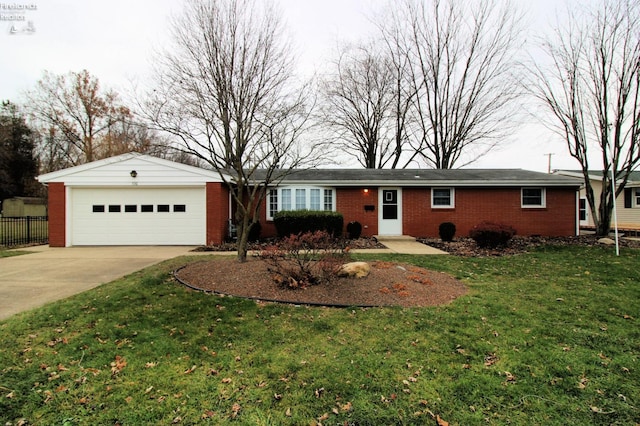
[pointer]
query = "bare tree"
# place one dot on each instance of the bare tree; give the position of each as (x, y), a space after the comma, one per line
(225, 90)
(462, 57)
(73, 113)
(592, 90)
(364, 106)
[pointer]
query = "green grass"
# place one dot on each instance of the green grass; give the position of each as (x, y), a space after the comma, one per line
(9, 253)
(550, 337)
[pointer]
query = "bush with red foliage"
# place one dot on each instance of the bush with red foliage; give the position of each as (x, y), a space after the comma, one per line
(492, 235)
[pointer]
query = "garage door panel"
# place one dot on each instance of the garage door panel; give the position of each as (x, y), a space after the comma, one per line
(183, 224)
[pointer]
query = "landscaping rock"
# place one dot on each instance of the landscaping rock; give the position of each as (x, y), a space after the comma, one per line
(354, 270)
(606, 241)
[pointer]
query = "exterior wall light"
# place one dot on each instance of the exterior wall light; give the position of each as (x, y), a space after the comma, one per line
(366, 190)
(133, 173)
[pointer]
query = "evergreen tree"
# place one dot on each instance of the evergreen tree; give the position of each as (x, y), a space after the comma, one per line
(18, 165)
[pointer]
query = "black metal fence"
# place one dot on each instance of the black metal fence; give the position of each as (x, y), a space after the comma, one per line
(19, 231)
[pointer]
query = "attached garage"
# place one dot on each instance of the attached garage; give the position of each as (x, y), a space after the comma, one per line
(135, 199)
(137, 216)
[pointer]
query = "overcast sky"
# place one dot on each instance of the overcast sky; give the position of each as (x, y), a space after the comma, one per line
(114, 41)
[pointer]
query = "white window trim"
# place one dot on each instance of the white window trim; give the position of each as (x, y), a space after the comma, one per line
(452, 199)
(307, 189)
(635, 197)
(543, 195)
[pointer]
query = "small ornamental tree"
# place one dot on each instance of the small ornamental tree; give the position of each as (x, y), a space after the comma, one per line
(301, 260)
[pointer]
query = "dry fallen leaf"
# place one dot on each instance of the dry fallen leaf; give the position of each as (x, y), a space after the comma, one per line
(235, 409)
(441, 422)
(208, 414)
(118, 365)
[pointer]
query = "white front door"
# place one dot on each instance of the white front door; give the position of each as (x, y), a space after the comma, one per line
(390, 211)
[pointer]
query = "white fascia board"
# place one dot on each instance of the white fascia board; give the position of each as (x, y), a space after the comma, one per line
(431, 183)
(74, 175)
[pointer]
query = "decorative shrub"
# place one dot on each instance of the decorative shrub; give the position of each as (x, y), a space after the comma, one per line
(301, 260)
(354, 229)
(295, 222)
(447, 231)
(492, 235)
(254, 233)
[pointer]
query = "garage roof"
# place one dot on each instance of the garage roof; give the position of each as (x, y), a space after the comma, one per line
(119, 171)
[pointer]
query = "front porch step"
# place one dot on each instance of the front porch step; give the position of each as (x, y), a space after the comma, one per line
(383, 238)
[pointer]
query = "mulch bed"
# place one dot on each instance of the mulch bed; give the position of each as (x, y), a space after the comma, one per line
(388, 284)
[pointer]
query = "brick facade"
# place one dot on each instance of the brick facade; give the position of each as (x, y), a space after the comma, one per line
(57, 214)
(502, 205)
(351, 203)
(217, 212)
(472, 206)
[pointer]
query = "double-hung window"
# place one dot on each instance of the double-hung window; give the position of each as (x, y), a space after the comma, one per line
(300, 198)
(533, 197)
(442, 198)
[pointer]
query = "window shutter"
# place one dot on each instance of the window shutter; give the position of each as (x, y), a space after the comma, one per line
(627, 198)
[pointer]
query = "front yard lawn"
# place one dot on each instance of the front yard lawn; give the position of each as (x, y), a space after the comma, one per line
(549, 337)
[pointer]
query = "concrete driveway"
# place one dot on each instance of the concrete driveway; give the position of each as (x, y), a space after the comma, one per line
(50, 274)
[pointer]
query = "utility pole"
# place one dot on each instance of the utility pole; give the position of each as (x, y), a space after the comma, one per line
(549, 161)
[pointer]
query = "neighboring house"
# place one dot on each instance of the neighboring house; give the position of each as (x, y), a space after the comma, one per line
(24, 206)
(137, 199)
(627, 203)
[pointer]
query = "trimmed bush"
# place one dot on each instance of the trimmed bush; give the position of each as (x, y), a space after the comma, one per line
(447, 231)
(492, 235)
(254, 233)
(354, 229)
(296, 222)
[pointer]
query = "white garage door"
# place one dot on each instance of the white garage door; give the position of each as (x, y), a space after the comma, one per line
(137, 216)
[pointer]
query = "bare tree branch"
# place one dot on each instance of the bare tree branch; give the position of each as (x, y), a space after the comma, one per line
(224, 89)
(591, 89)
(462, 63)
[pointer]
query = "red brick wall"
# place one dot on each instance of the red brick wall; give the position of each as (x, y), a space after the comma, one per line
(472, 206)
(503, 205)
(351, 201)
(57, 214)
(217, 212)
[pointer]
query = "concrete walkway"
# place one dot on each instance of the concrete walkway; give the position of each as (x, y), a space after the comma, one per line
(49, 274)
(406, 245)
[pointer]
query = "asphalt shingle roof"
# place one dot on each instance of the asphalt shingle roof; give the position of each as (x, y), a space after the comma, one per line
(427, 177)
